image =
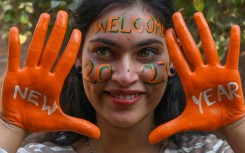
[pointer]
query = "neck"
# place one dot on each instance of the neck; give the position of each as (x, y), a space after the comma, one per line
(133, 139)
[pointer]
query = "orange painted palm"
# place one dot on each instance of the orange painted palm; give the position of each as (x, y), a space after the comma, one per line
(213, 92)
(30, 95)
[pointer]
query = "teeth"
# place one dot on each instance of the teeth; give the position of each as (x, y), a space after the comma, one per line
(124, 97)
(127, 97)
(121, 97)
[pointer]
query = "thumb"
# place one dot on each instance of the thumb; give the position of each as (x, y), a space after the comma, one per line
(80, 126)
(172, 127)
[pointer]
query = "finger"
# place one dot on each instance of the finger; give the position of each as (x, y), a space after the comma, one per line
(208, 43)
(68, 57)
(14, 50)
(189, 46)
(55, 41)
(79, 126)
(37, 42)
(234, 48)
(168, 129)
(176, 55)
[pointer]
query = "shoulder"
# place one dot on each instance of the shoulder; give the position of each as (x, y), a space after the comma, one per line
(46, 147)
(197, 142)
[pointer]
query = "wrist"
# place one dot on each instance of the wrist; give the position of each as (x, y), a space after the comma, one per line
(12, 129)
(234, 134)
(11, 136)
(233, 127)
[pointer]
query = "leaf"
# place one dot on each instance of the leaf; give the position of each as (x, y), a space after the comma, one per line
(210, 14)
(23, 38)
(198, 5)
(73, 5)
(21, 6)
(7, 7)
(29, 9)
(55, 4)
(7, 18)
(29, 24)
(24, 19)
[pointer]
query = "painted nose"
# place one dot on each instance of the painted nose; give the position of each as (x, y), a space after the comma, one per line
(125, 73)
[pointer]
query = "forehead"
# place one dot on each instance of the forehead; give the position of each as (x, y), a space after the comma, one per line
(127, 21)
(126, 10)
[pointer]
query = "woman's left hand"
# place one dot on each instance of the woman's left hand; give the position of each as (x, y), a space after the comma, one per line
(214, 97)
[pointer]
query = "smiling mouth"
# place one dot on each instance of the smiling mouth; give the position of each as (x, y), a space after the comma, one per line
(124, 96)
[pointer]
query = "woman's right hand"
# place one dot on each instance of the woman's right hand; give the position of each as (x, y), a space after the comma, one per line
(30, 95)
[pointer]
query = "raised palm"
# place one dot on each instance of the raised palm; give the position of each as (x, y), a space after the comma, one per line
(213, 92)
(30, 95)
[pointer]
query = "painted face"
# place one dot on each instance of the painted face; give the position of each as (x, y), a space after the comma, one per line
(125, 62)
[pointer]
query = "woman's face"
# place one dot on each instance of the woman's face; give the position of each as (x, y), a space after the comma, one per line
(124, 65)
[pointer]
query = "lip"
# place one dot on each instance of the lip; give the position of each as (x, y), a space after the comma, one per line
(137, 94)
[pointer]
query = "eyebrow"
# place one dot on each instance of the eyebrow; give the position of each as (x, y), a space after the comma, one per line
(105, 41)
(113, 43)
(148, 42)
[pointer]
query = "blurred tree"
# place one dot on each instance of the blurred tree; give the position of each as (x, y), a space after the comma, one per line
(220, 14)
(25, 13)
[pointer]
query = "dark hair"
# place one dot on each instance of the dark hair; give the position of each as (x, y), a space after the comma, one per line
(73, 99)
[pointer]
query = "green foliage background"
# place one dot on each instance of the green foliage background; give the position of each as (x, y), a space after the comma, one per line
(220, 14)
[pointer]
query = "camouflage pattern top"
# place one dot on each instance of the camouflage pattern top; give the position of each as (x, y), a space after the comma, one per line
(195, 143)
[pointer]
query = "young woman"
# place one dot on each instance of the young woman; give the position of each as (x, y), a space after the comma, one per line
(124, 90)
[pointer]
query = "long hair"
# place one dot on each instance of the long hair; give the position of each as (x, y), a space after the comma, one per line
(73, 99)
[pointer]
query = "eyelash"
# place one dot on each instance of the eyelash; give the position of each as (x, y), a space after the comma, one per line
(105, 53)
(98, 51)
(151, 51)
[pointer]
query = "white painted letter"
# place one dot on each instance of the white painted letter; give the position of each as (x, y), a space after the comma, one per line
(33, 94)
(45, 107)
(17, 89)
(233, 92)
(198, 102)
(222, 91)
(207, 96)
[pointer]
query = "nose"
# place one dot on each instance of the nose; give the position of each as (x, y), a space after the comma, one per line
(125, 72)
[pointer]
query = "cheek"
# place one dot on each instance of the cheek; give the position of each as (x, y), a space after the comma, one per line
(92, 92)
(154, 73)
(150, 73)
(96, 73)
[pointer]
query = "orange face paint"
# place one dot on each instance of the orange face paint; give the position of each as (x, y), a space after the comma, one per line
(99, 75)
(123, 30)
(150, 24)
(151, 73)
(112, 23)
(101, 26)
(134, 25)
(163, 64)
(103, 73)
(154, 73)
(88, 68)
(159, 28)
(117, 24)
(151, 79)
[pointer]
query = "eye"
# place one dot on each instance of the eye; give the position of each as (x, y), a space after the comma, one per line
(103, 51)
(147, 52)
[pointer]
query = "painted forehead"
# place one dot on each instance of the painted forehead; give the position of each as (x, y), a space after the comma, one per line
(127, 25)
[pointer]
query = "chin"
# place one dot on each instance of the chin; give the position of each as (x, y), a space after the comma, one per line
(115, 118)
(127, 119)
(124, 123)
